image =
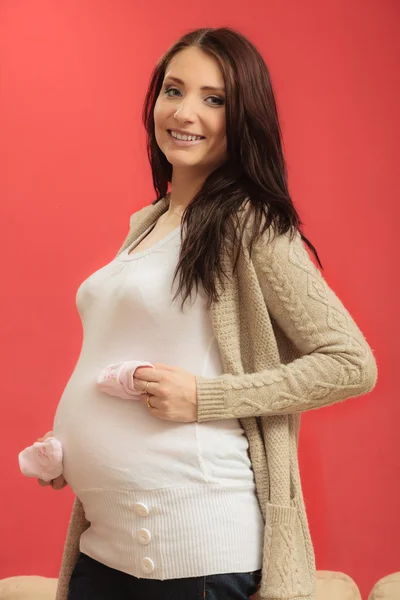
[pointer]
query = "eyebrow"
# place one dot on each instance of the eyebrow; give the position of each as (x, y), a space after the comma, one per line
(203, 88)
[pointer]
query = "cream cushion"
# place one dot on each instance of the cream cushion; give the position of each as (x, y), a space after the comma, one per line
(387, 588)
(332, 585)
(28, 587)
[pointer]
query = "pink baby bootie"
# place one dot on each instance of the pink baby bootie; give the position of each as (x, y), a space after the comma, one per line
(117, 379)
(43, 460)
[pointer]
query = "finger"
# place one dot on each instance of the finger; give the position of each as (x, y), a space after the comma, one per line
(58, 483)
(163, 367)
(153, 401)
(146, 374)
(141, 386)
(43, 483)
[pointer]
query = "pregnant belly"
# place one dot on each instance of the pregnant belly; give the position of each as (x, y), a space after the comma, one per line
(117, 444)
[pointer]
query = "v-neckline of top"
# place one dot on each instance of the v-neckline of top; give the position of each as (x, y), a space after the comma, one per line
(128, 255)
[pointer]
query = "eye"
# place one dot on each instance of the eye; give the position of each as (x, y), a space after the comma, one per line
(216, 101)
(171, 89)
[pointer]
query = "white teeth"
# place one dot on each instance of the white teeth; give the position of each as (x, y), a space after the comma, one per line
(185, 138)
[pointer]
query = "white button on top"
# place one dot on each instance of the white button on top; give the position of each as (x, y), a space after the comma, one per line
(141, 509)
(147, 565)
(143, 536)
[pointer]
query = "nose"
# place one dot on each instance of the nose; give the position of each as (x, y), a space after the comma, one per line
(185, 113)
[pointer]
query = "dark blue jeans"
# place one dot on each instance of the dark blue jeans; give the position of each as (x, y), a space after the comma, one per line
(92, 580)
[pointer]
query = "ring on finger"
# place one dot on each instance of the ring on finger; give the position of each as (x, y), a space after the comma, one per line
(148, 401)
(146, 386)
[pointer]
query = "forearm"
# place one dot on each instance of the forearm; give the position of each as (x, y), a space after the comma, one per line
(307, 383)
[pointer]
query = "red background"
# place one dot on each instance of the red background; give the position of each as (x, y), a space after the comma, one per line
(73, 168)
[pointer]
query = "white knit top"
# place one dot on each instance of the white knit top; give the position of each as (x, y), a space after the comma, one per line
(165, 500)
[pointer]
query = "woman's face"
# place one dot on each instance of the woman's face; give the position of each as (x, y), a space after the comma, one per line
(192, 102)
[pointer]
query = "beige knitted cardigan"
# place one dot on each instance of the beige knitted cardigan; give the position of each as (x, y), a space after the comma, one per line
(287, 345)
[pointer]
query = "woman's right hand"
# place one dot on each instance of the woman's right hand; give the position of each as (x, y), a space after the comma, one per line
(59, 482)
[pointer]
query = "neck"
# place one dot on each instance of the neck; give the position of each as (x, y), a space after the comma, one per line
(184, 186)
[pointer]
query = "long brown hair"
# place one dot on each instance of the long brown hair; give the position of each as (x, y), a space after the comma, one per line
(255, 168)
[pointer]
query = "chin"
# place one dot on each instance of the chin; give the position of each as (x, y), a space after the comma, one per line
(178, 161)
(179, 164)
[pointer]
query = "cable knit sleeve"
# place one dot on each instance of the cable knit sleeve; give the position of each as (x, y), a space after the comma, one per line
(336, 361)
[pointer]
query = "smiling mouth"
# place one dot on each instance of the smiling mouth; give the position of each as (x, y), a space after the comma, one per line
(192, 138)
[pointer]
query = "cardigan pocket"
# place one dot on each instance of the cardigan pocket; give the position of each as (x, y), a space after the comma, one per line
(286, 572)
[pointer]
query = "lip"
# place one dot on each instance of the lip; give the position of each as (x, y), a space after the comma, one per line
(184, 143)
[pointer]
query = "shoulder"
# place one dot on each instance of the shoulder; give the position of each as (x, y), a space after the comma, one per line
(150, 211)
(139, 215)
(265, 235)
(266, 244)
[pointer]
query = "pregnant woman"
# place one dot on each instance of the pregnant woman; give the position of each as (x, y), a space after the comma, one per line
(190, 488)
